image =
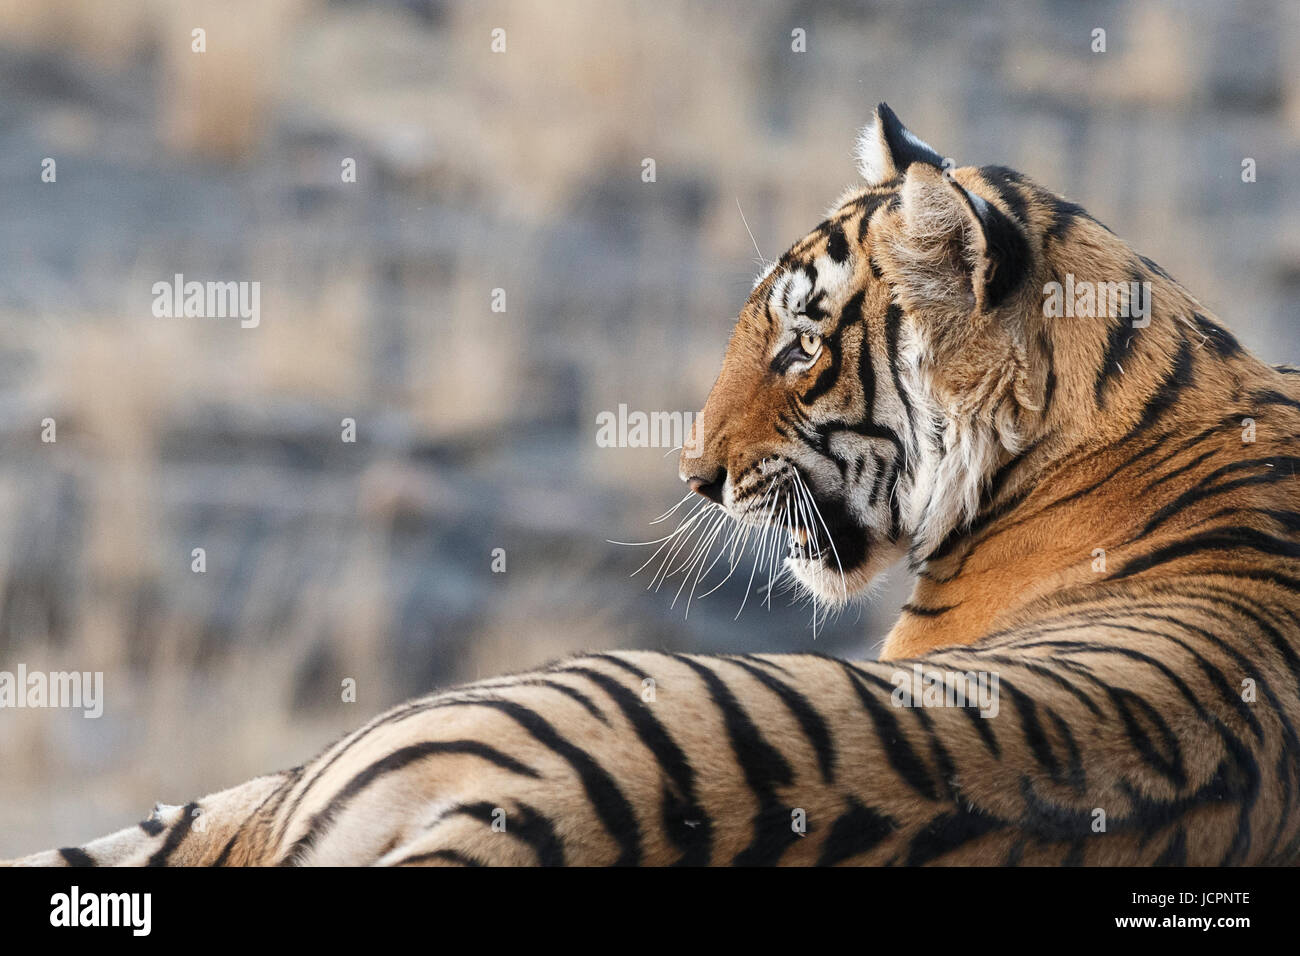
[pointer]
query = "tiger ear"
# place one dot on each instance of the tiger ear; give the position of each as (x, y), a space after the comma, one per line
(886, 148)
(954, 252)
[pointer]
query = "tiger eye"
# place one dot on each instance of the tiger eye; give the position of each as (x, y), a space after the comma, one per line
(810, 342)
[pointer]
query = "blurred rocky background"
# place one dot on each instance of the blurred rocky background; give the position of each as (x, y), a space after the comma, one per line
(476, 429)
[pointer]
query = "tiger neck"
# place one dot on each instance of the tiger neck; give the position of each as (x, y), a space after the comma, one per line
(1087, 493)
(1019, 548)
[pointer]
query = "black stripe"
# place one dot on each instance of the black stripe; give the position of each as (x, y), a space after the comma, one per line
(439, 856)
(1074, 857)
(390, 763)
(611, 805)
(1032, 730)
(1004, 473)
(1005, 249)
(1219, 539)
(1049, 387)
(175, 835)
(769, 663)
(1220, 339)
(1205, 489)
(1064, 215)
(1157, 269)
(983, 726)
(1117, 340)
(811, 722)
(228, 848)
(687, 824)
(866, 371)
(1175, 854)
(1076, 776)
(1091, 647)
(626, 665)
(1181, 447)
(905, 761)
(524, 823)
(1040, 669)
(1167, 392)
(1181, 470)
(858, 830)
(1271, 397)
(878, 481)
(75, 856)
(587, 704)
(1214, 675)
(868, 203)
(409, 709)
(860, 465)
(1128, 704)
(947, 770)
(949, 832)
(266, 810)
(837, 246)
(893, 324)
(764, 769)
(1005, 182)
(921, 611)
(343, 746)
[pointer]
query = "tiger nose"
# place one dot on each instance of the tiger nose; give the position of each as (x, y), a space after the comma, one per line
(709, 486)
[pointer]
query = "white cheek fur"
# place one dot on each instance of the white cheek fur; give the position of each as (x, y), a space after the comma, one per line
(952, 457)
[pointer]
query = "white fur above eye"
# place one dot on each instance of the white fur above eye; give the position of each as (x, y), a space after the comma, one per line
(796, 293)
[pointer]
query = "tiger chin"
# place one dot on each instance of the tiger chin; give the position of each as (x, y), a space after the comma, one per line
(1102, 511)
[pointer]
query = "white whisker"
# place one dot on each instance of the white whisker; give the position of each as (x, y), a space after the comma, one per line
(717, 529)
(701, 548)
(688, 497)
(683, 527)
(831, 540)
(689, 527)
(761, 258)
(758, 550)
(783, 526)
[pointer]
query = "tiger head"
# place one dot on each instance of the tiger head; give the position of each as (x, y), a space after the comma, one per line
(888, 363)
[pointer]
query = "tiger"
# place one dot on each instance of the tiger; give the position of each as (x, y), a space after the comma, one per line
(1098, 500)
